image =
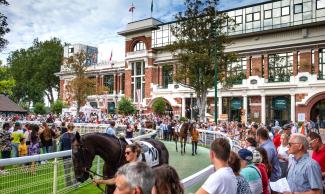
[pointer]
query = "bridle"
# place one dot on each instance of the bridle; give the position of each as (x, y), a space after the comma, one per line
(91, 173)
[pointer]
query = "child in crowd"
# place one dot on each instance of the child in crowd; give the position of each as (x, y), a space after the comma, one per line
(22, 148)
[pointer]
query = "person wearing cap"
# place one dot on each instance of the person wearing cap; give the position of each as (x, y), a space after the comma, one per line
(258, 162)
(16, 135)
(250, 172)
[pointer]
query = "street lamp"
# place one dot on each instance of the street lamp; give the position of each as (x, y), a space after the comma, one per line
(215, 68)
(116, 98)
(191, 108)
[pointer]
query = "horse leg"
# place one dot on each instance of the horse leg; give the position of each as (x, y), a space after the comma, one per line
(184, 144)
(181, 146)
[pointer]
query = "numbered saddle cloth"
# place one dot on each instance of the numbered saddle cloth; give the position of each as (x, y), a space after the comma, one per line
(149, 154)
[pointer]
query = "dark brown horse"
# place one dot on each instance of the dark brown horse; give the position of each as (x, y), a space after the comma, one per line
(181, 134)
(110, 149)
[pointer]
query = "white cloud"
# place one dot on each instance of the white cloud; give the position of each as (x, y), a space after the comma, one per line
(94, 22)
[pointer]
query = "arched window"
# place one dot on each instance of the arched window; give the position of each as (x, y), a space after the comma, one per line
(139, 46)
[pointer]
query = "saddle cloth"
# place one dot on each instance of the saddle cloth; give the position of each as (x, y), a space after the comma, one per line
(149, 154)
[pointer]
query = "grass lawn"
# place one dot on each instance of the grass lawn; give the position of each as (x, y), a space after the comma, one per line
(185, 165)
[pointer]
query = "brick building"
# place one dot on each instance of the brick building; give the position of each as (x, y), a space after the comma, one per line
(281, 49)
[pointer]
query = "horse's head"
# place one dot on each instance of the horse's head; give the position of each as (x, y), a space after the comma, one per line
(82, 159)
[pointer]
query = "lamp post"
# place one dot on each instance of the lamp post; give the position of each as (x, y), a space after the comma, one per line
(191, 108)
(215, 69)
(116, 98)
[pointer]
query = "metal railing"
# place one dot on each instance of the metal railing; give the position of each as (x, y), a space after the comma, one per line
(53, 172)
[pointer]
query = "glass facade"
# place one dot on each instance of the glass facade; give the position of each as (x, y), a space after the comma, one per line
(321, 64)
(277, 109)
(280, 67)
(138, 81)
(237, 70)
(167, 75)
(109, 83)
(260, 17)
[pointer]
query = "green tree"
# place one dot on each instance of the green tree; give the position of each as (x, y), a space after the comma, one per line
(7, 83)
(39, 108)
(81, 85)
(159, 106)
(200, 43)
(56, 107)
(34, 68)
(3, 26)
(125, 106)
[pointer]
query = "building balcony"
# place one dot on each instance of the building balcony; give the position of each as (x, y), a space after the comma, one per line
(136, 54)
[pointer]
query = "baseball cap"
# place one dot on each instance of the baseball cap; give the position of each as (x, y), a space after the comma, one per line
(245, 154)
(286, 126)
(257, 158)
(17, 124)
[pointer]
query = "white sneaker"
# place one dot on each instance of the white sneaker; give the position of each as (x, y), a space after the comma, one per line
(4, 172)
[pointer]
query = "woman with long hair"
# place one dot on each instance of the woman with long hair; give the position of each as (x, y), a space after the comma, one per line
(167, 181)
(46, 136)
(34, 146)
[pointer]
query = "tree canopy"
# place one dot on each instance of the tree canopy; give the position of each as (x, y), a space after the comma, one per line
(7, 83)
(3, 26)
(81, 85)
(125, 106)
(34, 68)
(199, 46)
(159, 106)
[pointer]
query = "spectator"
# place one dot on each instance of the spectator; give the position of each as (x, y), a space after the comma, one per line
(283, 155)
(46, 137)
(304, 174)
(315, 142)
(277, 137)
(195, 139)
(135, 177)
(265, 160)
(250, 172)
(5, 144)
(242, 184)
(63, 128)
(16, 135)
(167, 181)
(34, 147)
(26, 131)
(65, 143)
(22, 148)
(129, 131)
(164, 129)
(132, 154)
(223, 180)
(111, 129)
(258, 162)
(264, 141)
(250, 143)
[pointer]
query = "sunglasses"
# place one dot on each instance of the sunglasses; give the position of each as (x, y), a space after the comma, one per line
(312, 141)
(292, 143)
(127, 153)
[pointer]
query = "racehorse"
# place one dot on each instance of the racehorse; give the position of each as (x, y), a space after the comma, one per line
(181, 134)
(111, 150)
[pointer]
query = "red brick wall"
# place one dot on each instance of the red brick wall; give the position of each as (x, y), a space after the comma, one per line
(127, 89)
(254, 106)
(294, 65)
(61, 89)
(266, 66)
(300, 97)
(149, 79)
(305, 60)
(256, 66)
(316, 54)
(248, 67)
(129, 45)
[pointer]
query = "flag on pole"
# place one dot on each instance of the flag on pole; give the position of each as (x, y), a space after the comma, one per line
(132, 8)
(151, 7)
(110, 58)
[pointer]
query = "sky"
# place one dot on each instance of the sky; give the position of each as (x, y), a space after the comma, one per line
(90, 22)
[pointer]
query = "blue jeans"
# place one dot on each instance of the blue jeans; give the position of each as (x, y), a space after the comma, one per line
(15, 152)
(47, 149)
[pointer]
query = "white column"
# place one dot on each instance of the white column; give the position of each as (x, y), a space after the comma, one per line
(114, 86)
(245, 108)
(263, 109)
(219, 106)
(183, 107)
(121, 83)
(293, 107)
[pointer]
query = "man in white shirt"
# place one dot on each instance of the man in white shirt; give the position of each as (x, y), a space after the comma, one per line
(223, 180)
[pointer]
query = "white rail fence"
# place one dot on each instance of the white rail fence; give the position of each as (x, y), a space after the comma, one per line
(53, 174)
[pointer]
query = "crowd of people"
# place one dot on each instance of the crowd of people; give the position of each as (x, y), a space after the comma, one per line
(268, 153)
